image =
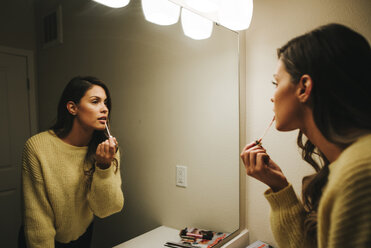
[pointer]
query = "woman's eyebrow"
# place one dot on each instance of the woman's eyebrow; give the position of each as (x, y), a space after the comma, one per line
(98, 97)
(95, 97)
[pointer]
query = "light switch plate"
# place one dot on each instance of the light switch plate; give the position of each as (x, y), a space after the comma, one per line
(181, 176)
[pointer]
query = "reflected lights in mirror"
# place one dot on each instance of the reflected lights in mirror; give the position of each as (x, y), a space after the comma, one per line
(232, 14)
(235, 14)
(113, 3)
(196, 26)
(161, 12)
(198, 14)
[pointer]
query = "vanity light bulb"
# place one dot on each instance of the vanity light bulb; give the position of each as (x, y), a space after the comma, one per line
(113, 3)
(161, 12)
(236, 14)
(195, 26)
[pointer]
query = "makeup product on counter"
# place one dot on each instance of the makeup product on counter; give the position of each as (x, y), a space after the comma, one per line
(259, 141)
(180, 245)
(200, 234)
(197, 238)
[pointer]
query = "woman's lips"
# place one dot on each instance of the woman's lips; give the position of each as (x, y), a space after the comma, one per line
(102, 120)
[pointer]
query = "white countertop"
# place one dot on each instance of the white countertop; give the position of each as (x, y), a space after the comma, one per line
(155, 238)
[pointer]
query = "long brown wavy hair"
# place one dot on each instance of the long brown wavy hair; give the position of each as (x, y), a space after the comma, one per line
(338, 60)
(74, 91)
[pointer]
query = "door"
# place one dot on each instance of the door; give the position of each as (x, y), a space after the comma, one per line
(14, 131)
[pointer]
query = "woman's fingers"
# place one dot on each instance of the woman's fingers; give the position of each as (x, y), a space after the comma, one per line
(111, 146)
(106, 150)
(248, 146)
(259, 165)
(262, 161)
(116, 144)
(250, 156)
(254, 153)
(108, 147)
(99, 150)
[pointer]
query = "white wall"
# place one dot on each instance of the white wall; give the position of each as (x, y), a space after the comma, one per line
(273, 24)
(175, 101)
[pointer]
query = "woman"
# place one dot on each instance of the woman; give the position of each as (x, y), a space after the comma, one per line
(323, 89)
(72, 172)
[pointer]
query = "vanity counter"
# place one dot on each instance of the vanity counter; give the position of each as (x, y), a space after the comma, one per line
(155, 238)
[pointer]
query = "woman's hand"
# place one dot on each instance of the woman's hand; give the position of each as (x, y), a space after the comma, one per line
(259, 165)
(105, 152)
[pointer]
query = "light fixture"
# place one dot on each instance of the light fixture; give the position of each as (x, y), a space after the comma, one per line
(205, 6)
(113, 3)
(196, 26)
(161, 12)
(236, 14)
(197, 15)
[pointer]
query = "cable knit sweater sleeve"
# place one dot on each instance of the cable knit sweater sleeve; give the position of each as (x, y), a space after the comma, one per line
(287, 217)
(105, 196)
(38, 214)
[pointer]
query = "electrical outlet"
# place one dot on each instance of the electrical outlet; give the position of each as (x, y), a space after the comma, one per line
(181, 176)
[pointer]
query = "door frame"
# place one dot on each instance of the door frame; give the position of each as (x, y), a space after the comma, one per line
(32, 94)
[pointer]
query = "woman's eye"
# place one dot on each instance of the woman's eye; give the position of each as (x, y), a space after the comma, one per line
(274, 83)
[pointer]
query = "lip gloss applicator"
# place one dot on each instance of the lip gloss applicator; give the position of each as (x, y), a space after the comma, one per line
(109, 134)
(258, 142)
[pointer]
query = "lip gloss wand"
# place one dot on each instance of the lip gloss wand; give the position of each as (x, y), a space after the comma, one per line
(258, 142)
(109, 134)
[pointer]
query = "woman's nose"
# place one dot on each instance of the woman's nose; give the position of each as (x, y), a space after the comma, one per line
(104, 108)
(272, 100)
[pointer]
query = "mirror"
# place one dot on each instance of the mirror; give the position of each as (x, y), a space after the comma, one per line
(175, 102)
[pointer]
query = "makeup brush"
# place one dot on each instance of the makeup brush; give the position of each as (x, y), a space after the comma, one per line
(258, 142)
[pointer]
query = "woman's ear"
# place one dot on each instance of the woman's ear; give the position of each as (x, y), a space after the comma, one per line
(71, 107)
(304, 88)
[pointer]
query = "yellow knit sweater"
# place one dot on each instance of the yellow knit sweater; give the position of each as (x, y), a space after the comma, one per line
(57, 203)
(344, 213)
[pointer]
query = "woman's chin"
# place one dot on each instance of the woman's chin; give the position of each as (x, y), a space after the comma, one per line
(100, 128)
(277, 126)
(282, 128)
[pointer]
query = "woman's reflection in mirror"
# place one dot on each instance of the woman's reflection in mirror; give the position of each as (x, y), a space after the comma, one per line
(71, 172)
(323, 89)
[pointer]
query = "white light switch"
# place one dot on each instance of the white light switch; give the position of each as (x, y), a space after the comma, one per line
(181, 175)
